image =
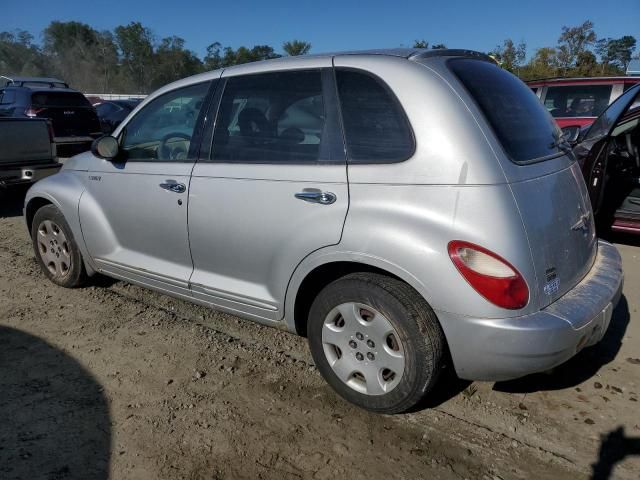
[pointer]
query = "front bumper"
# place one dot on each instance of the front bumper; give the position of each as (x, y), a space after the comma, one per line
(503, 349)
(27, 174)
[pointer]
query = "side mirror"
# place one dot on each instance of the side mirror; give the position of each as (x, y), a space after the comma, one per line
(105, 147)
(571, 133)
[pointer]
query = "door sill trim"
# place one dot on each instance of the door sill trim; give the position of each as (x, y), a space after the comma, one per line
(197, 288)
(107, 266)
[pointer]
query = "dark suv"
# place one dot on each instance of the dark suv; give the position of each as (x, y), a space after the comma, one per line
(75, 122)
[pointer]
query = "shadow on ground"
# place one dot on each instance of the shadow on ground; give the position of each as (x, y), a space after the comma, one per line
(54, 418)
(12, 201)
(614, 448)
(581, 367)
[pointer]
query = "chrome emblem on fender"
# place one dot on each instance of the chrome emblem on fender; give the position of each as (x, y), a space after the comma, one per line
(583, 221)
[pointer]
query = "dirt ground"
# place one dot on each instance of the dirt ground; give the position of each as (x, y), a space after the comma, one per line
(115, 381)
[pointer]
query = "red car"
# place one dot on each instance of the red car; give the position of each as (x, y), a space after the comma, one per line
(579, 101)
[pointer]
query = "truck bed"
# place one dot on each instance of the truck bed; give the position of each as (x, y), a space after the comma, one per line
(27, 152)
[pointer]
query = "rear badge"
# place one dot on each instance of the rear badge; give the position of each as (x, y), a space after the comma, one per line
(553, 282)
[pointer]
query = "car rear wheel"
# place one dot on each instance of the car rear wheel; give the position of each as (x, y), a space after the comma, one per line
(55, 248)
(376, 341)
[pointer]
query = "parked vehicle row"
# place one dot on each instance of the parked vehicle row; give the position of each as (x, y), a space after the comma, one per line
(74, 120)
(399, 208)
(27, 151)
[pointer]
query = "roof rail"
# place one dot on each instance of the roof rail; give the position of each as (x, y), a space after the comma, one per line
(44, 81)
(452, 52)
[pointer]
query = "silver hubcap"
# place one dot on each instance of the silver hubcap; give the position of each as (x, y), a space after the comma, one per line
(54, 248)
(363, 348)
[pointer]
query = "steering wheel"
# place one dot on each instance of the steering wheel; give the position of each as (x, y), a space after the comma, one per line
(166, 153)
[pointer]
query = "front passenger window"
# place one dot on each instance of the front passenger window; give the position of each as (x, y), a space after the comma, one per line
(163, 129)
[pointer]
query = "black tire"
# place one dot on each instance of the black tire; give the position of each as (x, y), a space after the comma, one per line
(415, 322)
(75, 274)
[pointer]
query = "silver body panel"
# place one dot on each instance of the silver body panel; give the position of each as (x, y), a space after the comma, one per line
(243, 243)
(130, 222)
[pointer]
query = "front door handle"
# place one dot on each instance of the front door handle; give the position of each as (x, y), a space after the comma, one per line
(316, 196)
(173, 186)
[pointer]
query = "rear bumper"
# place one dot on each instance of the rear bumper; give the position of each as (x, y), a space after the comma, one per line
(27, 174)
(503, 349)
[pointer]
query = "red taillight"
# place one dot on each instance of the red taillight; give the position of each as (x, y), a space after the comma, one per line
(33, 112)
(490, 275)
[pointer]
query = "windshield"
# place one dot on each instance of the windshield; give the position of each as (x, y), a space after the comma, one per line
(525, 129)
(605, 122)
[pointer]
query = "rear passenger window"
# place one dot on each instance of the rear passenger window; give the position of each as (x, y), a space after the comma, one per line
(376, 128)
(272, 118)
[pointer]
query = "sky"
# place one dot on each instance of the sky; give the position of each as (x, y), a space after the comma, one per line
(337, 25)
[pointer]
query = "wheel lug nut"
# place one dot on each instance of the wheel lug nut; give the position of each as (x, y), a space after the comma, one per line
(352, 344)
(359, 356)
(370, 356)
(370, 344)
(359, 336)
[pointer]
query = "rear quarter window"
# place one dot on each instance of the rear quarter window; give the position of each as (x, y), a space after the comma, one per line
(59, 99)
(522, 125)
(375, 126)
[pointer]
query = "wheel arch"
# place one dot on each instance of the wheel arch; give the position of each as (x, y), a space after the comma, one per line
(314, 274)
(62, 190)
(32, 206)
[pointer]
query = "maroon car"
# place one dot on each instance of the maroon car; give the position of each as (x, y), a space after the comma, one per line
(579, 101)
(609, 154)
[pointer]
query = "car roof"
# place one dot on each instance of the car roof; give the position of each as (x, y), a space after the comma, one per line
(406, 53)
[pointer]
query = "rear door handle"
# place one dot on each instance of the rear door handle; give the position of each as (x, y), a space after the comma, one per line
(313, 196)
(173, 186)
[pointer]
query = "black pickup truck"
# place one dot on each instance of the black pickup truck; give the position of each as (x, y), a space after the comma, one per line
(27, 150)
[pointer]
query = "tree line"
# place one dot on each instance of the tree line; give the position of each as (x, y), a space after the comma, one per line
(131, 59)
(579, 52)
(128, 59)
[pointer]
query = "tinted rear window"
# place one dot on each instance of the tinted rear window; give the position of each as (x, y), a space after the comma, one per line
(59, 99)
(523, 126)
(376, 128)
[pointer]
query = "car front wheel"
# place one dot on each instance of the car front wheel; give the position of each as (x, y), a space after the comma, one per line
(55, 248)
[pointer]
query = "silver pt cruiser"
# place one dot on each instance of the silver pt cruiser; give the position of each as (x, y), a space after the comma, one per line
(400, 208)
